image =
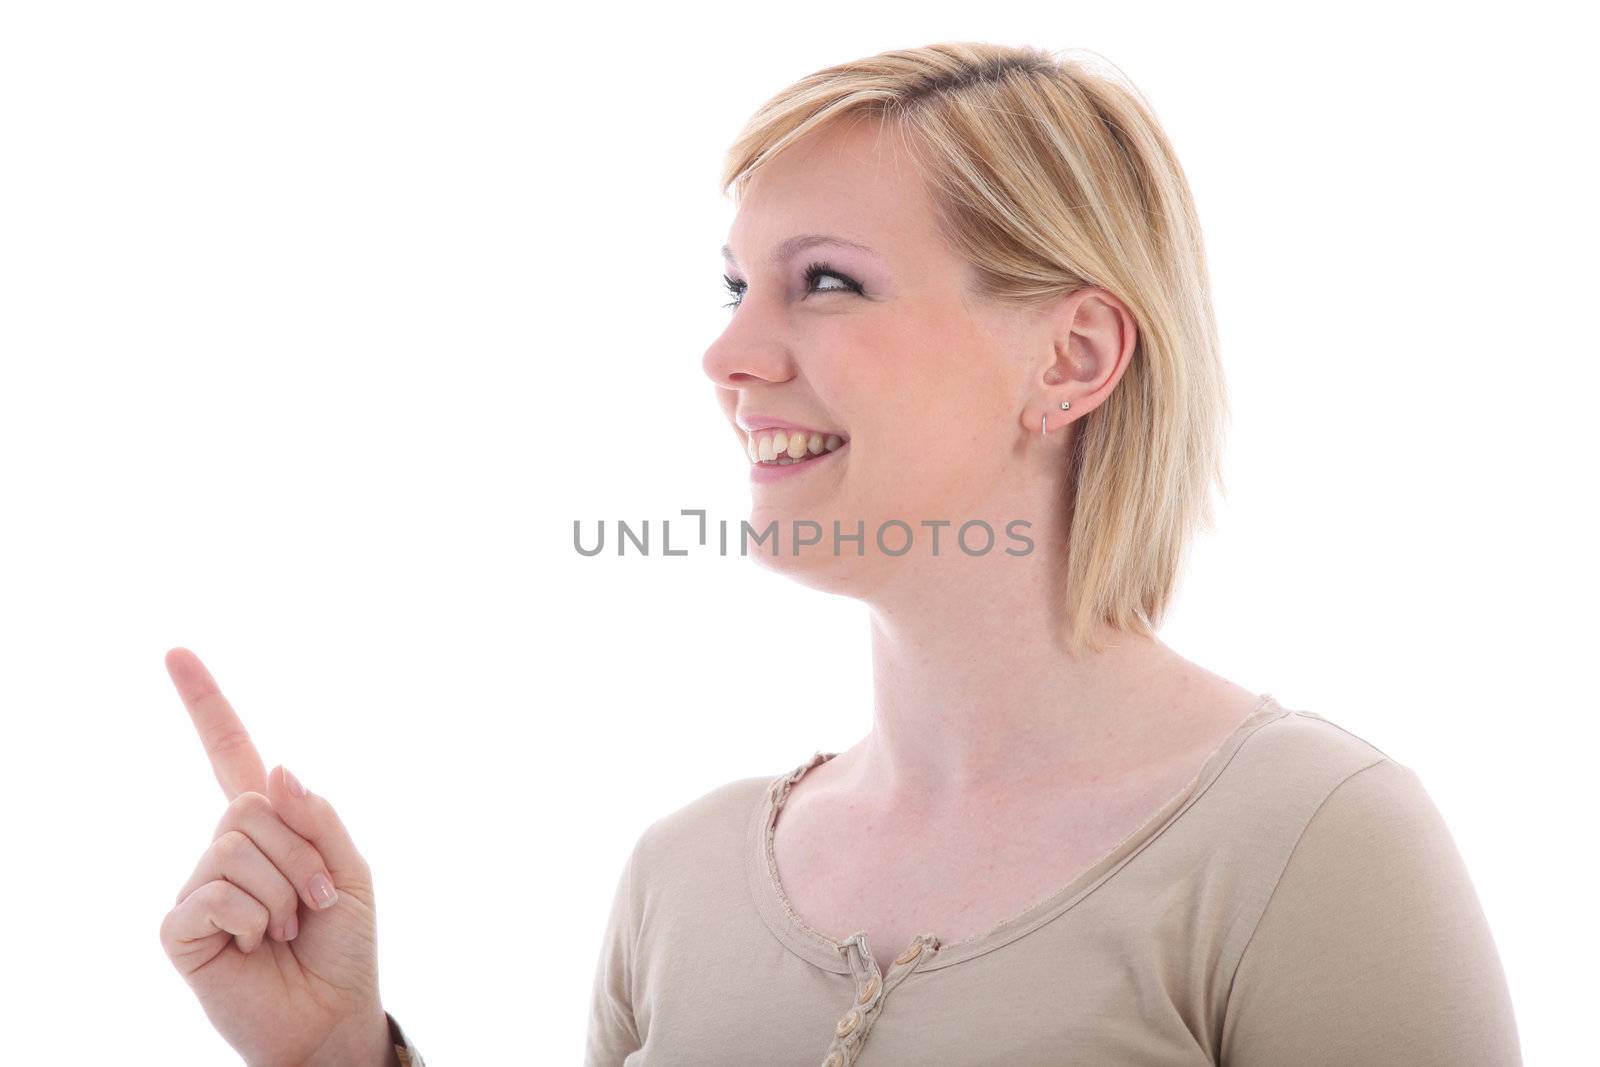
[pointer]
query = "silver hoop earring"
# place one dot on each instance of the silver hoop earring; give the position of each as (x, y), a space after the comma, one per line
(1065, 404)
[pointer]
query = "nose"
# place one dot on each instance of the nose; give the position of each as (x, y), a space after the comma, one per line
(746, 355)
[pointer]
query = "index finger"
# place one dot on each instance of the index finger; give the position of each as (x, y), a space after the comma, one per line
(234, 758)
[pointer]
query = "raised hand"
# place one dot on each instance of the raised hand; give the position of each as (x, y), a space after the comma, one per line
(276, 929)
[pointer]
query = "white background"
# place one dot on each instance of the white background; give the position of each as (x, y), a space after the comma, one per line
(321, 323)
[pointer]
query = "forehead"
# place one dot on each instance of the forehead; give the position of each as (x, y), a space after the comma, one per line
(856, 180)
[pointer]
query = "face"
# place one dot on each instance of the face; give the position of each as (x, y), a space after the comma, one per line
(875, 337)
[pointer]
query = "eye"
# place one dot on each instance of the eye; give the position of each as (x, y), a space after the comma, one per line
(822, 270)
(813, 272)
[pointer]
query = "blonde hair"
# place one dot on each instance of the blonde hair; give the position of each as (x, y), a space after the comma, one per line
(1050, 176)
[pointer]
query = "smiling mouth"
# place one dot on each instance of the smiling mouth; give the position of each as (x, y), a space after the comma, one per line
(781, 448)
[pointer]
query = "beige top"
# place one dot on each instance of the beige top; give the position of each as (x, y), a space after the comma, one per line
(1300, 902)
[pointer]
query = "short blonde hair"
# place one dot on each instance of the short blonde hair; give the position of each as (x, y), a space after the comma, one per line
(1049, 176)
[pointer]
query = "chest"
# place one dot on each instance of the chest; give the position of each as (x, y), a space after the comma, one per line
(1088, 990)
(844, 870)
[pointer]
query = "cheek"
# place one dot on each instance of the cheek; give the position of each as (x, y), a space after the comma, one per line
(857, 364)
(923, 396)
(950, 393)
(894, 365)
(958, 429)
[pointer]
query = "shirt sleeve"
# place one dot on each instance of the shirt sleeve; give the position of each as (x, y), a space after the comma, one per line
(403, 1049)
(613, 1031)
(1373, 947)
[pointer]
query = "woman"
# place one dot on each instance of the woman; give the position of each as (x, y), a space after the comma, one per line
(971, 355)
(979, 268)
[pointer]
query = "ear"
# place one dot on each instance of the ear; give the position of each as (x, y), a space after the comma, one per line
(1091, 336)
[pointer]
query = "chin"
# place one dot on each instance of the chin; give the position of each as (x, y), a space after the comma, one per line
(816, 567)
(848, 567)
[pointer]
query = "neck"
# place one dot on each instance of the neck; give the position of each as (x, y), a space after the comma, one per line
(975, 695)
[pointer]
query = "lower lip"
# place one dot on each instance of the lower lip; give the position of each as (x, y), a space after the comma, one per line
(765, 472)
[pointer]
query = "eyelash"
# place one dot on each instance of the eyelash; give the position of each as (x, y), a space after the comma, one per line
(813, 271)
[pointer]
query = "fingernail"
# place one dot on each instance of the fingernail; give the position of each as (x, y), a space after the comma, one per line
(295, 788)
(291, 928)
(322, 891)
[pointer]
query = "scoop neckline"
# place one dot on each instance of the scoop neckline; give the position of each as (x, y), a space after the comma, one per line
(830, 955)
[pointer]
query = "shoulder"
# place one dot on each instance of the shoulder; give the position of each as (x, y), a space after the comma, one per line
(1307, 796)
(703, 835)
(1355, 807)
(1338, 805)
(1365, 911)
(1307, 742)
(1290, 766)
(1339, 835)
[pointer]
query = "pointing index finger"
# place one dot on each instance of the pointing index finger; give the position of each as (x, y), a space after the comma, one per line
(234, 759)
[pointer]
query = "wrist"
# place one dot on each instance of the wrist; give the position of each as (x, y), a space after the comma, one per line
(363, 1044)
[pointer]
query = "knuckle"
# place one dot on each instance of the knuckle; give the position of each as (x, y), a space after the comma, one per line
(213, 895)
(244, 809)
(250, 804)
(231, 846)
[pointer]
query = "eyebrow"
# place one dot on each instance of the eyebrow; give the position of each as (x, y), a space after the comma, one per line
(801, 242)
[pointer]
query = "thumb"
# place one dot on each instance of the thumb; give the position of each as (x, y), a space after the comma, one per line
(314, 819)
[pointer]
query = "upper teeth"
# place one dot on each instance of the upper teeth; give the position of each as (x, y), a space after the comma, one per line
(788, 446)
